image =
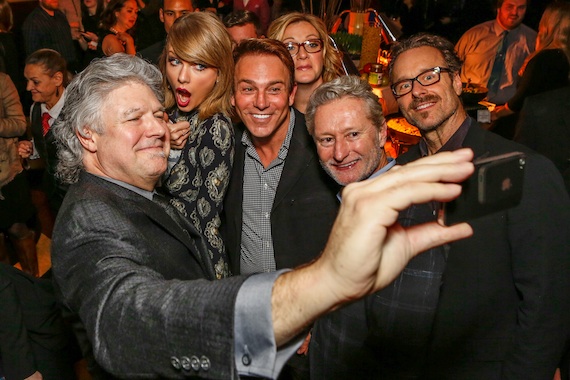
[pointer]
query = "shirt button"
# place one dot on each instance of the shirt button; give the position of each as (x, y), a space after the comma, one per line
(195, 362)
(216, 182)
(266, 215)
(265, 186)
(175, 362)
(205, 363)
(246, 360)
(185, 362)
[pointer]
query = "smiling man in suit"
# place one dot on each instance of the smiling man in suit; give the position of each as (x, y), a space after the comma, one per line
(280, 204)
(493, 306)
(135, 279)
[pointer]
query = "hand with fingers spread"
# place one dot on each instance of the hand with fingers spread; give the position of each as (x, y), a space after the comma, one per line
(367, 248)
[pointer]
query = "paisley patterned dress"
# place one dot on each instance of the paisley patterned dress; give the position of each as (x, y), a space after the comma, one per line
(199, 180)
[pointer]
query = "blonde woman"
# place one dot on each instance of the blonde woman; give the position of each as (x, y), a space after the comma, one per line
(316, 60)
(197, 68)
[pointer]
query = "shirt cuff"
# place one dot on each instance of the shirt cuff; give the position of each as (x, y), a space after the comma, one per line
(255, 350)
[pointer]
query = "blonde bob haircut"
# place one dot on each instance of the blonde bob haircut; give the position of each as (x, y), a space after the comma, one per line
(331, 57)
(201, 38)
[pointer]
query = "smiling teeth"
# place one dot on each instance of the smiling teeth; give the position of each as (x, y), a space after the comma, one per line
(346, 165)
(261, 116)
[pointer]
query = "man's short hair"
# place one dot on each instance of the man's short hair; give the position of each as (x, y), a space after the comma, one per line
(243, 17)
(499, 3)
(84, 100)
(446, 48)
(266, 46)
(346, 86)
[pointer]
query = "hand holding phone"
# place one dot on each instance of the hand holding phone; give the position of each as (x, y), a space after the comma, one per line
(496, 185)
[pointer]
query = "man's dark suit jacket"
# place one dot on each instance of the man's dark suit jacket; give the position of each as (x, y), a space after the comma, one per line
(123, 266)
(504, 297)
(153, 52)
(304, 208)
(33, 336)
(47, 150)
(544, 125)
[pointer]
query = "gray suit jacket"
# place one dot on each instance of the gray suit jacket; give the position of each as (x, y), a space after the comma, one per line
(138, 288)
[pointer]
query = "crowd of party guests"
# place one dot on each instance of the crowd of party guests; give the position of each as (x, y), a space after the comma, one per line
(261, 191)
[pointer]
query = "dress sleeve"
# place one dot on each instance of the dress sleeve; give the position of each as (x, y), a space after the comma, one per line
(13, 124)
(548, 70)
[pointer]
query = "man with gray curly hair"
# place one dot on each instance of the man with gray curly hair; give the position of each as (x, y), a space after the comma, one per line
(134, 277)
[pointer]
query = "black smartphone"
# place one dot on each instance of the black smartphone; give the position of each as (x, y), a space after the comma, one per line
(495, 185)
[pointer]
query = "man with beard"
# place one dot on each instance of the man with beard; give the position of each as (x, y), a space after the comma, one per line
(494, 51)
(47, 27)
(491, 306)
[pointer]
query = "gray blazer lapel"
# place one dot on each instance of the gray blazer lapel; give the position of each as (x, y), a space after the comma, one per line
(186, 234)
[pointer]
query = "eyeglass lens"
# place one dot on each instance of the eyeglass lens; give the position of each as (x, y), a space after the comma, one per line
(310, 46)
(427, 78)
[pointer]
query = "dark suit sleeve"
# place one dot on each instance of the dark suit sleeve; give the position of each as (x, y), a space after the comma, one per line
(135, 318)
(15, 349)
(539, 235)
(526, 126)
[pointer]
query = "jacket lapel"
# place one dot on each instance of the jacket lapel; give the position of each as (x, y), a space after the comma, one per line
(298, 158)
(186, 234)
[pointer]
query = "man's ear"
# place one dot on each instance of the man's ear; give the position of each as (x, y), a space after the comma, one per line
(383, 133)
(457, 85)
(88, 139)
(161, 15)
(292, 94)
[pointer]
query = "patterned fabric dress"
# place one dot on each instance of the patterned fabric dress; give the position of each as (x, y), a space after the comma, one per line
(199, 180)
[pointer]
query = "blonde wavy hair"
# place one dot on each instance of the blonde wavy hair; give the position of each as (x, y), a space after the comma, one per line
(553, 31)
(202, 38)
(332, 59)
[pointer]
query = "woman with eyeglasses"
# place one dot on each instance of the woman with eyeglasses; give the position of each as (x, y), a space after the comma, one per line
(197, 68)
(316, 60)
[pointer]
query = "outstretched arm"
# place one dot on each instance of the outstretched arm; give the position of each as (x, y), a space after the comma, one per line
(367, 248)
